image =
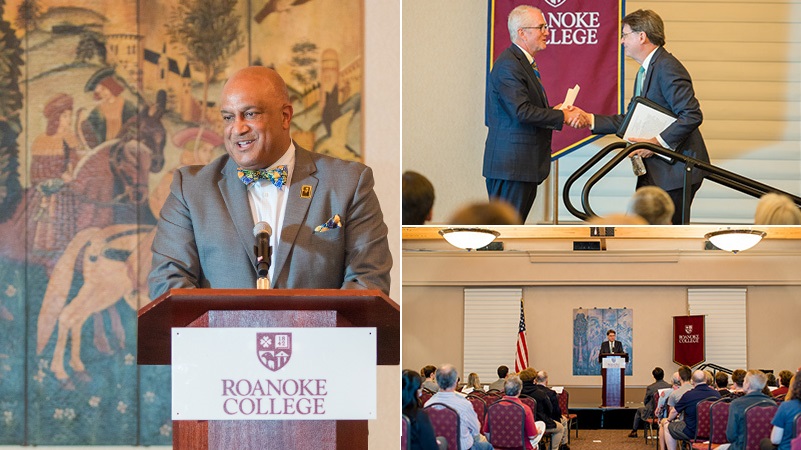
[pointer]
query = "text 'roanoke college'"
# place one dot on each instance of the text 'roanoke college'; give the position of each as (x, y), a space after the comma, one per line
(579, 28)
(274, 397)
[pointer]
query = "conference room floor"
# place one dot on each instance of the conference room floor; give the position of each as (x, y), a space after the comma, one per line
(603, 439)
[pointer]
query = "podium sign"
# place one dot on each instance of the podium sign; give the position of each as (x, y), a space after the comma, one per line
(273, 373)
(613, 362)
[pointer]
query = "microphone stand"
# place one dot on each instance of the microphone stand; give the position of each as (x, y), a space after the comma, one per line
(263, 256)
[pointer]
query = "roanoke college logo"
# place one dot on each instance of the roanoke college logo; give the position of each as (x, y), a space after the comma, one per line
(688, 329)
(274, 349)
(555, 3)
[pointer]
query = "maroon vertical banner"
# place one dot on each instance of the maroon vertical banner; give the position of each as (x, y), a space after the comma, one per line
(688, 340)
(583, 48)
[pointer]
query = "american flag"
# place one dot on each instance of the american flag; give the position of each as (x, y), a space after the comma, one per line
(521, 353)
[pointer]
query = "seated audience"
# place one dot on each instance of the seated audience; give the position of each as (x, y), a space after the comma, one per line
(418, 198)
(534, 430)
(710, 379)
(429, 374)
(684, 430)
(784, 383)
(772, 382)
(495, 212)
(470, 429)
(498, 385)
(722, 383)
(653, 204)
(664, 395)
(473, 383)
(777, 209)
(784, 420)
(421, 433)
(645, 411)
(752, 386)
(544, 410)
(555, 410)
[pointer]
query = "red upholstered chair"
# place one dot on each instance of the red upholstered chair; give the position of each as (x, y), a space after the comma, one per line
(445, 421)
(795, 444)
(405, 425)
(757, 423)
(703, 423)
(479, 406)
(572, 419)
(506, 425)
(425, 395)
(718, 418)
(492, 397)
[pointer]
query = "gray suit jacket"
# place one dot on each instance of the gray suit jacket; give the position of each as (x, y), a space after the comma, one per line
(205, 234)
(668, 84)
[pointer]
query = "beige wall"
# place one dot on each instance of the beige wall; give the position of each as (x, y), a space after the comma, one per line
(649, 276)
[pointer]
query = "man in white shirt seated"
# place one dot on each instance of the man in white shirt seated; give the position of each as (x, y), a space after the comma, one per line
(470, 429)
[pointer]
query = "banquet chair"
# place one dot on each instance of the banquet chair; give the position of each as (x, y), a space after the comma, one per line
(757, 423)
(506, 425)
(445, 421)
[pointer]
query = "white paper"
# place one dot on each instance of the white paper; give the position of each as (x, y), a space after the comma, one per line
(570, 97)
(646, 123)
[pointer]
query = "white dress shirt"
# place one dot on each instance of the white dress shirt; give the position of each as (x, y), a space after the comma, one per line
(268, 203)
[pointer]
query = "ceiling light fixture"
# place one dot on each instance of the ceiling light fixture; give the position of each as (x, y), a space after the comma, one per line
(735, 241)
(469, 238)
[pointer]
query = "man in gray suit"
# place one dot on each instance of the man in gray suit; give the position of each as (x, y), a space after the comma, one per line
(517, 153)
(328, 229)
(663, 80)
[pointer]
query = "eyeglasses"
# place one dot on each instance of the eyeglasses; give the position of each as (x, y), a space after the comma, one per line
(543, 28)
(623, 35)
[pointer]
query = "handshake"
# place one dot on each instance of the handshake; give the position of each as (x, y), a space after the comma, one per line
(575, 117)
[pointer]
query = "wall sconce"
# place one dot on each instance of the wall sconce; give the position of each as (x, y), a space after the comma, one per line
(735, 240)
(469, 238)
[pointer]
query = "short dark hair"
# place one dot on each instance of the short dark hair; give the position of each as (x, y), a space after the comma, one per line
(611, 332)
(685, 373)
(722, 379)
(503, 371)
(649, 23)
(658, 374)
(428, 370)
(785, 376)
(738, 376)
(418, 198)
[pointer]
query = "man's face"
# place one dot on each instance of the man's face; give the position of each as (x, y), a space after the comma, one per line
(102, 93)
(256, 122)
(533, 35)
(611, 337)
(631, 41)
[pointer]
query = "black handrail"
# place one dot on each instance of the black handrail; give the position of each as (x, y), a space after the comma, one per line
(716, 368)
(712, 173)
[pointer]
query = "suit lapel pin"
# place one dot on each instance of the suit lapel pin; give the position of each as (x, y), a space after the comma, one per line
(305, 191)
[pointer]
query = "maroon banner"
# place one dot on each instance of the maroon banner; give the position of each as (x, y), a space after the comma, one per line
(583, 48)
(688, 340)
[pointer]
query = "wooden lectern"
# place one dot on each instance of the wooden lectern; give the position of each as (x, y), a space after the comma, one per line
(614, 380)
(253, 308)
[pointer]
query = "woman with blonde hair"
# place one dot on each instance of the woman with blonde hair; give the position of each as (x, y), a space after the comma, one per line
(777, 209)
(473, 384)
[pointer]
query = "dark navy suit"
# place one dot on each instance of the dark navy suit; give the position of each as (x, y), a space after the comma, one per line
(517, 153)
(668, 84)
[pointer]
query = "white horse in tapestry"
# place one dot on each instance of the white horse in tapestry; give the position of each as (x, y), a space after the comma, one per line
(114, 261)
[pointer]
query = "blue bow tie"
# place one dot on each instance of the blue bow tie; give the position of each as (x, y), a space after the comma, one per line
(276, 176)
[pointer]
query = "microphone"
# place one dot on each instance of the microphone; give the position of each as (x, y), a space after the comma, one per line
(263, 252)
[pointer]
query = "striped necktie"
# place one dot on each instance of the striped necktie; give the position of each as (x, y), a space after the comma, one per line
(638, 81)
(536, 69)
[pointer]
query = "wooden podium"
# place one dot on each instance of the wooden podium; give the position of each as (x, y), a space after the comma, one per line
(614, 379)
(252, 308)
